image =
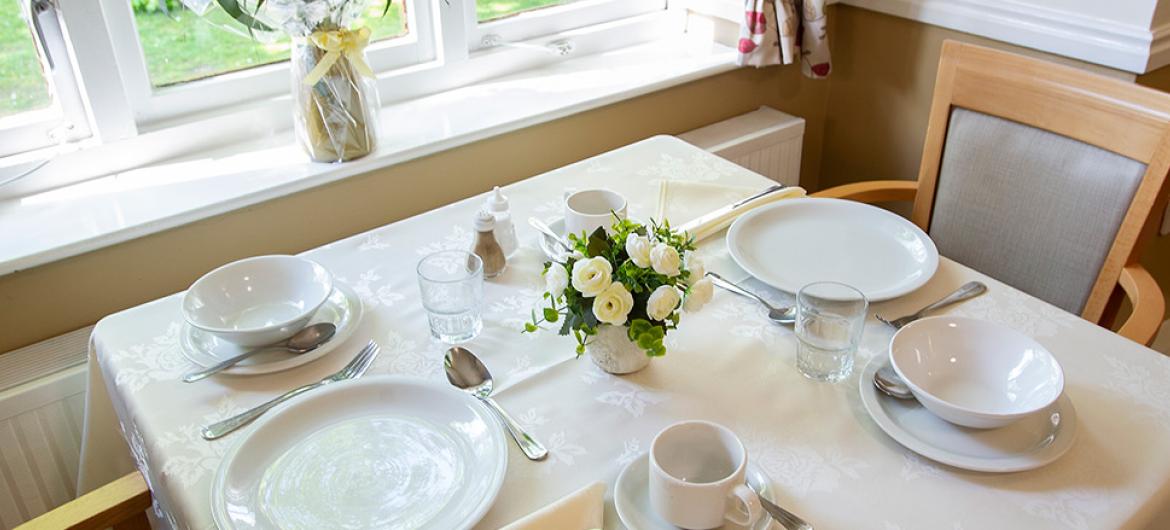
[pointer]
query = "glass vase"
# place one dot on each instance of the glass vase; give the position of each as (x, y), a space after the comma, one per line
(334, 118)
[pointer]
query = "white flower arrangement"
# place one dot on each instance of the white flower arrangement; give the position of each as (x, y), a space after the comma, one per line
(640, 277)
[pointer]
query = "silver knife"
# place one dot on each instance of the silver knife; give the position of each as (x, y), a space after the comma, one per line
(691, 225)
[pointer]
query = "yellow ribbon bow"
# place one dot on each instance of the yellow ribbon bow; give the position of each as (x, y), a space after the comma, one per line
(336, 42)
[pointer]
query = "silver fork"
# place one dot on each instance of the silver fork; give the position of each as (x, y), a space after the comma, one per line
(358, 366)
(968, 291)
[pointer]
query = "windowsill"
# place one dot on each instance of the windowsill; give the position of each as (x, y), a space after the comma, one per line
(83, 217)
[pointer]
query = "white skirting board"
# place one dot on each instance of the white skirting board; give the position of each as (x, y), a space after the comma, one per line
(42, 407)
(766, 141)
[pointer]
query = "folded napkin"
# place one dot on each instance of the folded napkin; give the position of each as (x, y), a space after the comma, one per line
(581, 510)
(701, 208)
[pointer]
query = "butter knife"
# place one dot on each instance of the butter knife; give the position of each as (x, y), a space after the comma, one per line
(704, 219)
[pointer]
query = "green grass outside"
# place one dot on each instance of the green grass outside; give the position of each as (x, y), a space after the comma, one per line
(182, 47)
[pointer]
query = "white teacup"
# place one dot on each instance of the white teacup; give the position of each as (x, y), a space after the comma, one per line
(697, 473)
(587, 210)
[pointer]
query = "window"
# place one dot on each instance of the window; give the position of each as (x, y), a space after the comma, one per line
(180, 46)
(486, 10)
(132, 72)
(39, 105)
(23, 81)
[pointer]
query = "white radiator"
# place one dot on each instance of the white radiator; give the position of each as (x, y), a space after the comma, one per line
(766, 141)
(42, 405)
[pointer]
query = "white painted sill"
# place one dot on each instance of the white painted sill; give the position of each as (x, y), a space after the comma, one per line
(65, 222)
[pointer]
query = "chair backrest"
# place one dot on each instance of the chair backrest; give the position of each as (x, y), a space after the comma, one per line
(1041, 175)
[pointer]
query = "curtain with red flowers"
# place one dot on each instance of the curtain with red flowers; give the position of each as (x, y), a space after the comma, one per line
(783, 31)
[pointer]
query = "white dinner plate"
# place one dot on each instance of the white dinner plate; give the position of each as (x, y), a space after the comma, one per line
(343, 309)
(631, 497)
(792, 243)
(381, 452)
(1026, 444)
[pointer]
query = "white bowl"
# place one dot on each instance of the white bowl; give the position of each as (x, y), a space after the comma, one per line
(975, 373)
(257, 301)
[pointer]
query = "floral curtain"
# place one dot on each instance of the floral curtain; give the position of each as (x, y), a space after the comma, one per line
(780, 31)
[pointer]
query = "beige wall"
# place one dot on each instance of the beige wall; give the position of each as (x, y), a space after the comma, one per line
(45, 301)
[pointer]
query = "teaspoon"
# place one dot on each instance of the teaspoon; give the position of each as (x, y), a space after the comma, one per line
(468, 373)
(304, 341)
(889, 383)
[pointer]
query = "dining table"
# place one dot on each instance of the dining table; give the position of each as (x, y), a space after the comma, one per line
(827, 460)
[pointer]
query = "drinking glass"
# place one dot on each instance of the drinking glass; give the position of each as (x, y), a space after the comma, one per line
(829, 320)
(451, 283)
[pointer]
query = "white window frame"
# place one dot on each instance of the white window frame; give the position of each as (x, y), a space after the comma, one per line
(129, 132)
(551, 20)
(152, 106)
(65, 119)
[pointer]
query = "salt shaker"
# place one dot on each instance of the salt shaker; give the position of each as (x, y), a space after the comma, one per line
(486, 246)
(505, 231)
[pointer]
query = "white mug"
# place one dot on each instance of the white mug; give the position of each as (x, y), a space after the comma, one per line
(587, 210)
(697, 471)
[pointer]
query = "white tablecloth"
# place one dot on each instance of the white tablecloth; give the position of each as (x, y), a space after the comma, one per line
(828, 460)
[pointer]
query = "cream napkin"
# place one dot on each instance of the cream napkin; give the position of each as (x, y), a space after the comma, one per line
(686, 203)
(583, 509)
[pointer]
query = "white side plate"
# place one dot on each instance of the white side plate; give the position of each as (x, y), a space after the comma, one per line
(795, 242)
(1027, 444)
(381, 452)
(343, 309)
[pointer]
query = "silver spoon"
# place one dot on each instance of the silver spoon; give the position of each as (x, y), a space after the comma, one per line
(468, 373)
(787, 519)
(305, 340)
(546, 230)
(887, 381)
(779, 315)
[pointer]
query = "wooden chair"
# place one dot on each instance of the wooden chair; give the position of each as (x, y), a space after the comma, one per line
(120, 505)
(1045, 177)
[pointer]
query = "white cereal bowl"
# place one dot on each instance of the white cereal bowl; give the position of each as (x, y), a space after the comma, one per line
(257, 301)
(975, 373)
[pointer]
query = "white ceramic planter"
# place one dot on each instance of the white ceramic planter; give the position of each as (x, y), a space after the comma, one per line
(613, 351)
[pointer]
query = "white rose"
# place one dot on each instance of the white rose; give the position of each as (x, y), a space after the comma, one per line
(665, 260)
(591, 276)
(701, 293)
(697, 268)
(556, 279)
(613, 304)
(638, 247)
(662, 302)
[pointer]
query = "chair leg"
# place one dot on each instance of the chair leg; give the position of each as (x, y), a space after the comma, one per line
(138, 522)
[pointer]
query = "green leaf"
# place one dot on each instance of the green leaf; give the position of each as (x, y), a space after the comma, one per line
(387, 8)
(598, 243)
(530, 327)
(551, 314)
(234, 10)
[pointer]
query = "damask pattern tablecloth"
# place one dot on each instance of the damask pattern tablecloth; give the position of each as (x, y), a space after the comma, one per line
(727, 363)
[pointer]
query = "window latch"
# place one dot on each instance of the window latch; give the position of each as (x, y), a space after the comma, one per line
(38, 9)
(560, 47)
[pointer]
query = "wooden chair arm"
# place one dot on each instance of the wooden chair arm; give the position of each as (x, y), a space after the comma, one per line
(121, 504)
(1149, 306)
(873, 191)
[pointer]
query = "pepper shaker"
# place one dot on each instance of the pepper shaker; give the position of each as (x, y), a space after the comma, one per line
(486, 246)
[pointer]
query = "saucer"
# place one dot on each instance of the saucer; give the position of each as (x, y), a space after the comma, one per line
(1029, 443)
(343, 309)
(631, 496)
